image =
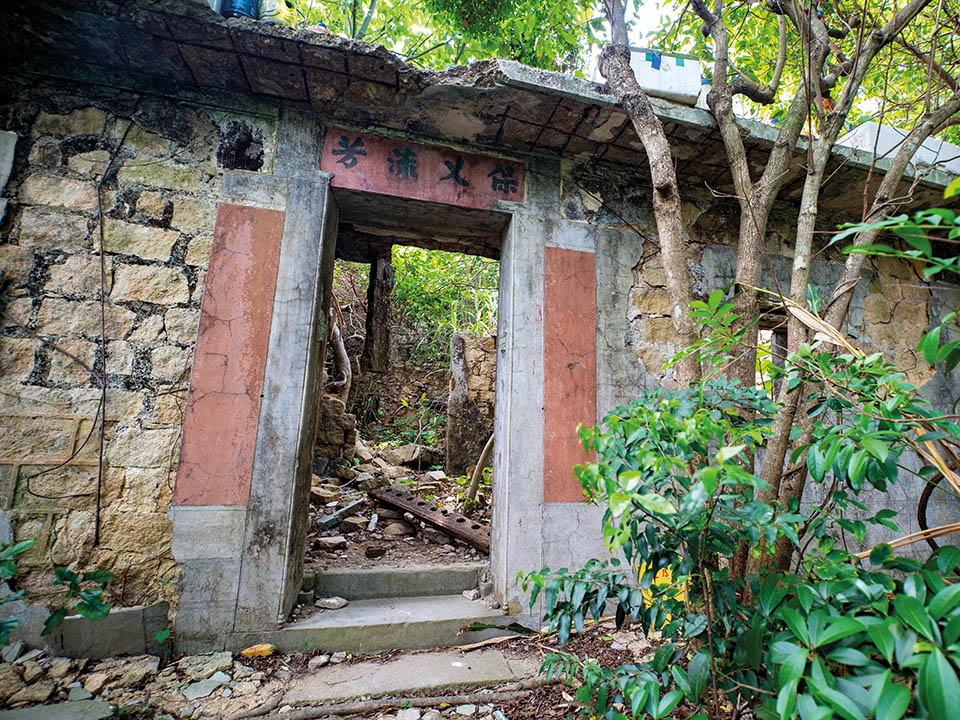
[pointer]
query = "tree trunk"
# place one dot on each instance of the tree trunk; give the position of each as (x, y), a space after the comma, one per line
(615, 68)
(376, 344)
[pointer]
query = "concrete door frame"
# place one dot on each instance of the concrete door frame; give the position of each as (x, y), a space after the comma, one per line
(240, 505)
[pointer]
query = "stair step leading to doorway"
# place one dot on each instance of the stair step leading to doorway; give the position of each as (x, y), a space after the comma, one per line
(392, 582)
(374, 625)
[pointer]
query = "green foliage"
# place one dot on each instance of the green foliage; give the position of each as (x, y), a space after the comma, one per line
(895, 90)
(674, 470)
(440, 33)
(438, 294)
(926, 235)
(84, 591)
(8, 568)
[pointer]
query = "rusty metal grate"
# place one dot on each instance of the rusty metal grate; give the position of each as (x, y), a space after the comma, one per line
(459, 526)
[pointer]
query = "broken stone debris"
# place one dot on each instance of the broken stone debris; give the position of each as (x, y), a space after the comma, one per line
(331, 603)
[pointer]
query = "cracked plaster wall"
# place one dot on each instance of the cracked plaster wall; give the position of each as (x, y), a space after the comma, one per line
(159, 202)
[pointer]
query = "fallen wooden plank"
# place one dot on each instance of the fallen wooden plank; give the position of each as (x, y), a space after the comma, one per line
(459, 526)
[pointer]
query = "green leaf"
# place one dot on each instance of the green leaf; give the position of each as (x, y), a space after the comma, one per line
(842, 705)
(726, 453)
(53, 621)
(881, 553)
(100, 577)
(838, 629)
(952, 189)
(16, 549)
(816, 463)
(698, 674)
(655, 503)
(787, 699)
(882, 638)
(938, 686)
(848, 656)
(876, 447)
(619, 502)
(944, 601)
(893, 702)
(668, 702)
(912, 613)
(162, 636)
(929, 344)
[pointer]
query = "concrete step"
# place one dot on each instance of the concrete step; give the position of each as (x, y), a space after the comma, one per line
(439, 671)
(392, 582)
(365, 626)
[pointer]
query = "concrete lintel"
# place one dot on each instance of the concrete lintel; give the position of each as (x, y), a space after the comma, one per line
(255, 189)
(571, 235)
(207, 531)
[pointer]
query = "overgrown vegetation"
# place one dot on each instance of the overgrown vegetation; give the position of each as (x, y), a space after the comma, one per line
(827, 633)
(435, 295)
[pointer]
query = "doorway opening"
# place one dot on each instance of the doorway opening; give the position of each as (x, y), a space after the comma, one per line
(406, 403)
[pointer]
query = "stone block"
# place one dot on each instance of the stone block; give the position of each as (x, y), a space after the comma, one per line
(66, 368)
(125, 631)
(198, 251)
(49, 229)
(651, 303)
(73, 532)
(79, 276)
(71, 487)
(143, 489)
(85, 121)
(35, 437)
(168, 175)
(90, 164)
(16, 262)
(16, 357)
(192, 216)
(207, 532)
(119, 357)
(136, 532)
(149, 331)
(131, 239)
(181, 325)
(75, 318)
(133, 447)
(151, 202)
(44, 188)
(170, 363)
(161, 285)
(45, 153)
(17, 312)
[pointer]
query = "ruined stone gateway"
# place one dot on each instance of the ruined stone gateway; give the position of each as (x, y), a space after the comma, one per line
(232, 161)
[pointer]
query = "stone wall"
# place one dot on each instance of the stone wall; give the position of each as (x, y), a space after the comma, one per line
(158, 198)
(470, 406)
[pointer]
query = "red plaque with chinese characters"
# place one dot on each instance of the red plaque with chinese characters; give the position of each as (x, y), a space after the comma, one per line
(359, 161)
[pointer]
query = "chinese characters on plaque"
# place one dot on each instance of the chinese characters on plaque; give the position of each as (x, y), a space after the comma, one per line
(393, 167)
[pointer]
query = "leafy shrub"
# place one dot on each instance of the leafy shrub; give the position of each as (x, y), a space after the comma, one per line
(829, 639)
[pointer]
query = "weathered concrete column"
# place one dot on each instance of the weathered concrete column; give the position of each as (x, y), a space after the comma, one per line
(517, 542)
(376, 344)
(271, 569)
(239, 507)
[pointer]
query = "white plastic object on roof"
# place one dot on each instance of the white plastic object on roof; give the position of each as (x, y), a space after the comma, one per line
(933, 152)
(672, 76)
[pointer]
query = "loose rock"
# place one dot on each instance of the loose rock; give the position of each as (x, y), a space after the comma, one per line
(352, 524)
(331, 603)
(336, 542)
(317, 662)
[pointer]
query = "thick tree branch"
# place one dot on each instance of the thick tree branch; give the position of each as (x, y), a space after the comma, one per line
(615, 68)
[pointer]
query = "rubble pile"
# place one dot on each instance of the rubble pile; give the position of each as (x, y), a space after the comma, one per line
(350, 529)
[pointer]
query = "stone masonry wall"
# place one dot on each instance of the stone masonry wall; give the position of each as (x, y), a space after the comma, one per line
(158, 199)
(470, 406)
